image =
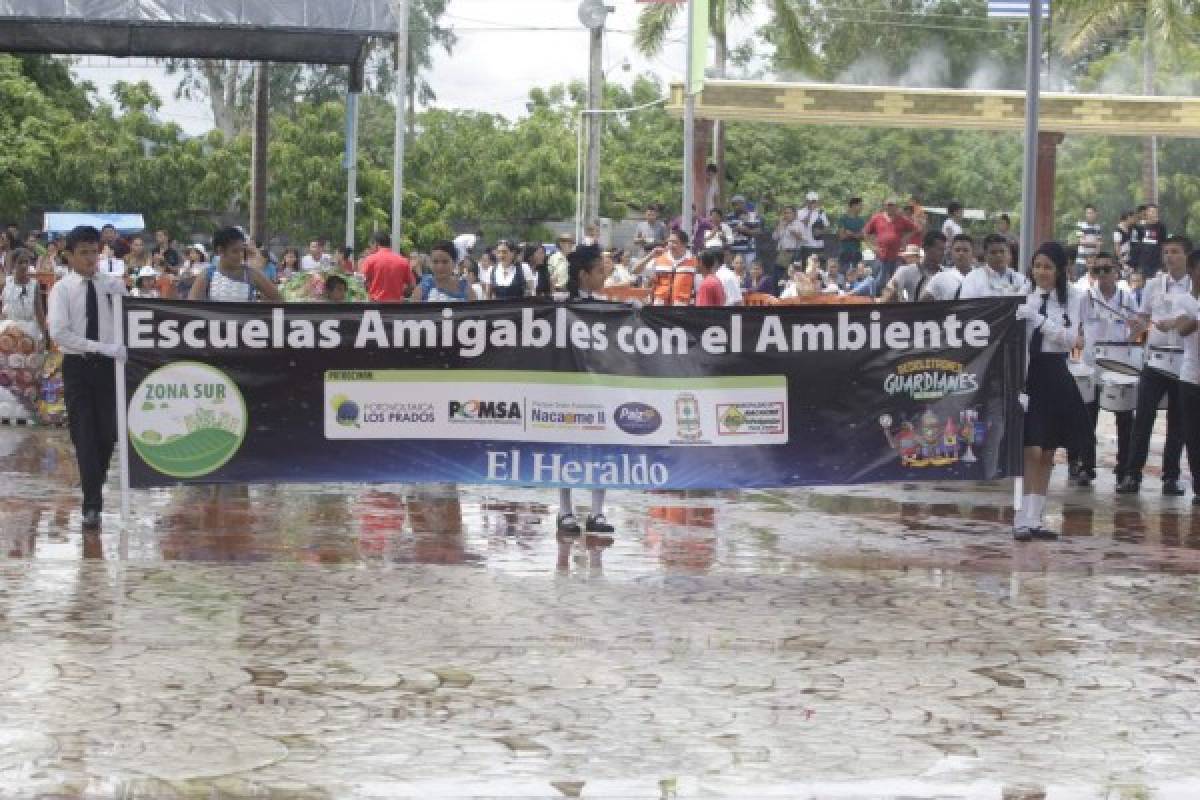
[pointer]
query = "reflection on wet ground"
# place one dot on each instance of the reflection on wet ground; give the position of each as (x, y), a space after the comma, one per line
(440, 641)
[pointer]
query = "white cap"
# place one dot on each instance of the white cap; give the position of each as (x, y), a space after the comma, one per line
(812, 197)
(199, 248)
(147, 272)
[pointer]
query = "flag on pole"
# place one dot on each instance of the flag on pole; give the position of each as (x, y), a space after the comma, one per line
(1010, 9)
(698, 39)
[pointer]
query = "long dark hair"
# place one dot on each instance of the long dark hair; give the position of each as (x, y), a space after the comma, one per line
(542, 271)
(581, 259)
(1058, 256)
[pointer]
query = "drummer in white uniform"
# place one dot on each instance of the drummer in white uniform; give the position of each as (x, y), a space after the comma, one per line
(1187, 326)
(1107, 307)
(1159, 381)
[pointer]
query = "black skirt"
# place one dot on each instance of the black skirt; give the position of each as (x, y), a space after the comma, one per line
(1056, 416)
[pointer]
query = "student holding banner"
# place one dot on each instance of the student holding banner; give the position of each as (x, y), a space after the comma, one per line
(585, 277)
(1055, 415)
(81, 324)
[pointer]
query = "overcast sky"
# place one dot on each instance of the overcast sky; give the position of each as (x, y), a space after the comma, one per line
(492, 69)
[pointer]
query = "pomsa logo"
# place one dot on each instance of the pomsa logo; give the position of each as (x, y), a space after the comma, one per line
(187, 419)
(637, 419)
(346, 411)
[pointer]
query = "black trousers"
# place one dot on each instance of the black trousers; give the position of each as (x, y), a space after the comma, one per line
(1085, 459)
(1189, 407)
(89, 389)
(1152, 386)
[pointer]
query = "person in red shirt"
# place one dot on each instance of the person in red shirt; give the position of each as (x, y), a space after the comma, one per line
(885, 232)
(388, 275)
(710, 293)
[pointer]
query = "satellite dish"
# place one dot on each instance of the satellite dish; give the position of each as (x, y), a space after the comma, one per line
(592, 13)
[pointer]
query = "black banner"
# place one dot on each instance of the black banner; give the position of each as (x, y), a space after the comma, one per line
(577, 395)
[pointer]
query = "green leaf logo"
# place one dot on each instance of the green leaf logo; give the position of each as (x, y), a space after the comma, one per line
(198, 431)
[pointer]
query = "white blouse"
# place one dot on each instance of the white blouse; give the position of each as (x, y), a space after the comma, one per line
(1063, 321)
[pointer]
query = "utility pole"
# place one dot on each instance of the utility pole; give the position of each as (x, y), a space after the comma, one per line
(258, 155)
(591, 192)
(401, 115)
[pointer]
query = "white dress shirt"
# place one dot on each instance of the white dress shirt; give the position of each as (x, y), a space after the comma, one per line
(1189, 370)
(1101, 324)
(67, 315)
(1061, 328)
(1163, 284)
(731, 285)
(982, 282)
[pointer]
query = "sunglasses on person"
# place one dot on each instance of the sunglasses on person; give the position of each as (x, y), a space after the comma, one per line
(1101, 270)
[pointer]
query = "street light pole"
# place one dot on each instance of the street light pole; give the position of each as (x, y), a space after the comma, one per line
(401, 114)
(591, 194)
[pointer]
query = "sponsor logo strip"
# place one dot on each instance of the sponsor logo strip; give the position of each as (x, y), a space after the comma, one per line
(550, 407)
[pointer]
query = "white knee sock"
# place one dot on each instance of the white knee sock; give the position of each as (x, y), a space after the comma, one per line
(1037, 509)
(564, 502)
(597, 502)
(1021, 517)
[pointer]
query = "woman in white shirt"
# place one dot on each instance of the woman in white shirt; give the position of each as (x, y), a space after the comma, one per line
(22, 303)
(1187, 325)
(1055, 415)
(510, 280)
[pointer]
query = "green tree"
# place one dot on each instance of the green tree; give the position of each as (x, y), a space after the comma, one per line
(1167, 26)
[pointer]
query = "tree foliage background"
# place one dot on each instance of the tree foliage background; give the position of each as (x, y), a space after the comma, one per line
(62, 148)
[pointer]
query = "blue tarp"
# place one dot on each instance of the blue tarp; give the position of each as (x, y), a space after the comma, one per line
(63, 221)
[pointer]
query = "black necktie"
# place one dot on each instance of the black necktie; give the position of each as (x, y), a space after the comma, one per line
(1035, 341)
(93, 313)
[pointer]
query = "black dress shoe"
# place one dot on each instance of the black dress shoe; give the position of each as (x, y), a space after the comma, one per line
(1022, 533)
(596, 523)
(1129, 485)
(568, 524)
(91, 520)
(1043, 534)
(1174, 489)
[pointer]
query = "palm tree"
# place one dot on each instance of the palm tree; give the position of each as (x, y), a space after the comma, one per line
(1165, 23)
(655, 21)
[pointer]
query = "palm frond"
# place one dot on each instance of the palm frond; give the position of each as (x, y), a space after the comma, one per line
(792, 35)
(1086, 23)
(654, 22)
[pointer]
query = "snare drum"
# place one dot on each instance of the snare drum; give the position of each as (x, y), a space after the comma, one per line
(1165, 359)
(1125, 358)
(1085, 379)
(1118, 392)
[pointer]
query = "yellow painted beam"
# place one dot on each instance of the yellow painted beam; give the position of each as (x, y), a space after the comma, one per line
(961, 109)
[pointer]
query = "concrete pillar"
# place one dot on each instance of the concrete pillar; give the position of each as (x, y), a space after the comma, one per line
(1047, 161)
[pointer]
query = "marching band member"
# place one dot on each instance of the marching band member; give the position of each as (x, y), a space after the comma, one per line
(1055, 416)
(1154, 384)
(585, 276)
(1107, 307)
(994, 278)
(1187, 325)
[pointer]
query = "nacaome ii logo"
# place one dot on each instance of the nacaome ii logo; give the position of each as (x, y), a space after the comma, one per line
(187, 419)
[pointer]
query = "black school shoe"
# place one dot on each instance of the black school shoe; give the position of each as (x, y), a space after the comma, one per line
(596, 523)
(568, 524)
(91, 520)
(1129, 485)
(1174, 489)
(1043, 534)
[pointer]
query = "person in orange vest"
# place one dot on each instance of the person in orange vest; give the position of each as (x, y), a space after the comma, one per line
(673, 276)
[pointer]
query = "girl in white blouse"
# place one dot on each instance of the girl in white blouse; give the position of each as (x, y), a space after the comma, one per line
(1055, 415)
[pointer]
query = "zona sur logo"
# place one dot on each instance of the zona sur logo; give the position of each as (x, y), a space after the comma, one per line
(187, 419)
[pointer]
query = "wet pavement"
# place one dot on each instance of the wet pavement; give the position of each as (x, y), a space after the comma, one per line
(434, 641)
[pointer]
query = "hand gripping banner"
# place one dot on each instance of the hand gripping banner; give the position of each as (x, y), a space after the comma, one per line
(588, 394)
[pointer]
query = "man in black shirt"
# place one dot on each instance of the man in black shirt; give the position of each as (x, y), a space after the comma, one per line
(1150, 237)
